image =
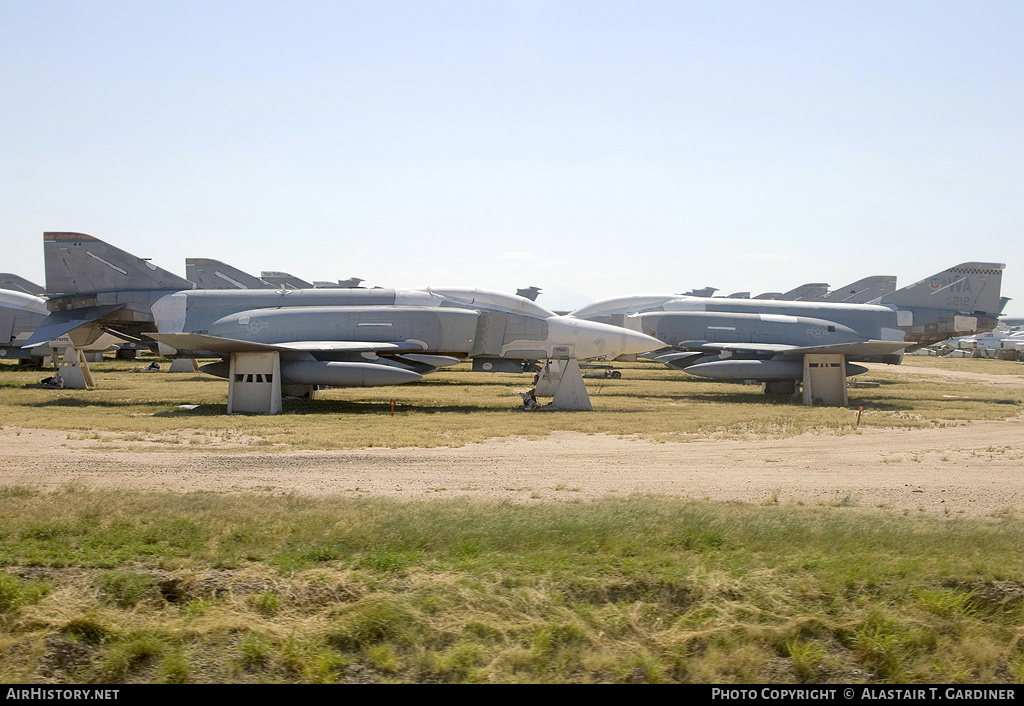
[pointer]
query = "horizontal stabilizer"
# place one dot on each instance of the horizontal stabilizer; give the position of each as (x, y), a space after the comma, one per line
(60, 323)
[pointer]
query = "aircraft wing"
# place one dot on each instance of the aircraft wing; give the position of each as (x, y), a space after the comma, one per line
(60, 323)
(862, 348)
(767, 349)
(219, 345)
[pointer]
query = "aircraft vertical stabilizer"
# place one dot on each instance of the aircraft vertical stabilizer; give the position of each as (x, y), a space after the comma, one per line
(214, 274)
(81, 264)
(967, 287)
(17, 283)
(862, 291)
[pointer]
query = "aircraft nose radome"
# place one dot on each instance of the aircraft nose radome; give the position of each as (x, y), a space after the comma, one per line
(596, 340)
(634, 343)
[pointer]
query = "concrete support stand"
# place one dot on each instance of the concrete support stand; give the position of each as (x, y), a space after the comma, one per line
(562, 380)
(73, 369)
(825, 380)
(184, 365)
(254, 383)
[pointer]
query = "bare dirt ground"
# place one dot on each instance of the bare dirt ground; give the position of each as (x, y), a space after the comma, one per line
(973, 468)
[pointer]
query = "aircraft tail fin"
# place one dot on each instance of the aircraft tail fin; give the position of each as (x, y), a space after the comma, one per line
(805, 292)
(967, 287)
(283, 280)
(81, 264)
(16, 283)
(214, 274)
(863, 290)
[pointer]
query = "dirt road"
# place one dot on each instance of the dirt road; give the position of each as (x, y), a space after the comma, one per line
(975, 468)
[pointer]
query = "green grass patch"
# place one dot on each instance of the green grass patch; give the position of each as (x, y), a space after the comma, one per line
(634, 590)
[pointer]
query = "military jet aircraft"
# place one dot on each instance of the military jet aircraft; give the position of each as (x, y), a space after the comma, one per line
(20, 316)
(269, 339)
(770, 341)
(993, 344)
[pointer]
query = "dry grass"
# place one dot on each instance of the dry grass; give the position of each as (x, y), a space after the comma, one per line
(136, 411)
(127, 587)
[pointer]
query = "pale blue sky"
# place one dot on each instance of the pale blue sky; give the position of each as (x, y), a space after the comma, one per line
(590, 148)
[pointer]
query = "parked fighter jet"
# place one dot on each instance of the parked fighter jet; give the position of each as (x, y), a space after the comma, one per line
(20, 316)
(22, 309)
(769, 340)
(268, 339)
(993, 344)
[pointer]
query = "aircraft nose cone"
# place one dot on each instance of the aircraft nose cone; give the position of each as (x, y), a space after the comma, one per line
(634, 343)
(596, 340)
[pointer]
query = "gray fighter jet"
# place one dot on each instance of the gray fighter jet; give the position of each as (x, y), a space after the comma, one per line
(270, 339)
(770, 341)
(20, 315)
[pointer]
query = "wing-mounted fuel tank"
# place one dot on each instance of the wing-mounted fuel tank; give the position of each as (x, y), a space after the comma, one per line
(758, 370)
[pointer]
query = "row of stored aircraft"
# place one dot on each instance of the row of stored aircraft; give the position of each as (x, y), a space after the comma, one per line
(768, 340)
(274, 340)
